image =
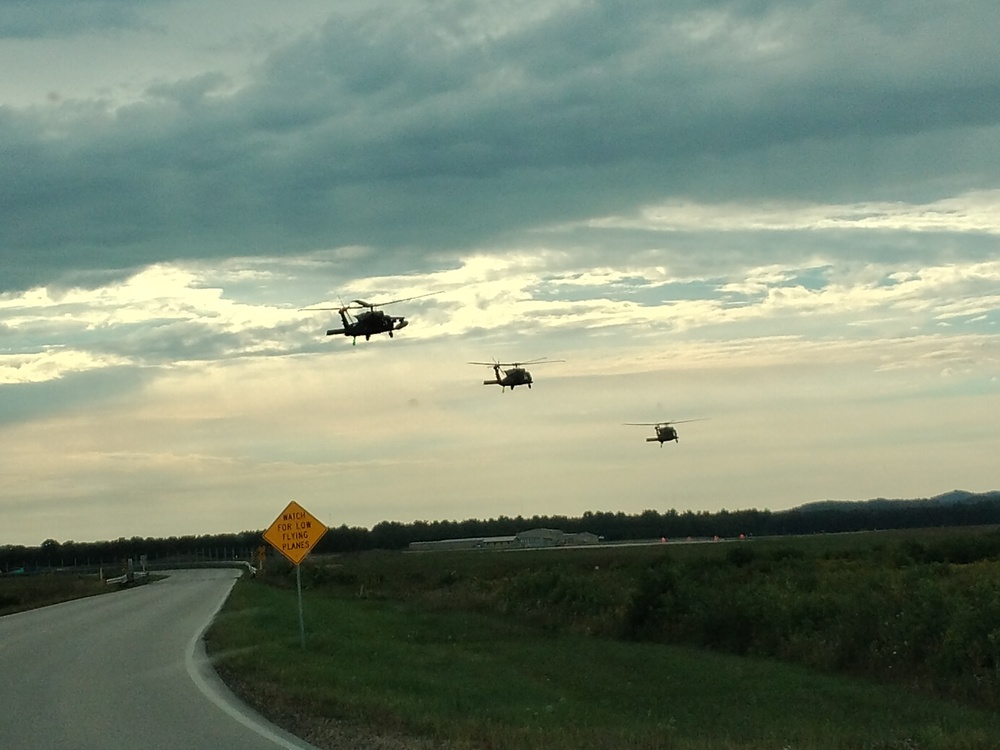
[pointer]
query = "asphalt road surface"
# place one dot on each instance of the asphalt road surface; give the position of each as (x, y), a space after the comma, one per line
(125, 670)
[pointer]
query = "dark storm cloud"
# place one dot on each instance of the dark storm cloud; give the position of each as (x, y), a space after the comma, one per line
(420, 130)
(63, 18)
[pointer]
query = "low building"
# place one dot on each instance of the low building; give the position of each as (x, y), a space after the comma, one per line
(533, 539)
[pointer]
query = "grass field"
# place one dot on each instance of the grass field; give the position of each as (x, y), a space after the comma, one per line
(621, 647)
(455, 650)
(21, 592)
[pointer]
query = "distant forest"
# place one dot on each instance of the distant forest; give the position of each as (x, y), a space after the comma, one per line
(957, 508)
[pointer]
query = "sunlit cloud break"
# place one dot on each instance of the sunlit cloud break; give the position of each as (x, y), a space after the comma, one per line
(52, 364)
(976, 211)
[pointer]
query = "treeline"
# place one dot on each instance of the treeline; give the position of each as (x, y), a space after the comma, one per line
(969, 510)
(52, 554)
(960, 509)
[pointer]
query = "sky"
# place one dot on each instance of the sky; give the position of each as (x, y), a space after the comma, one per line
(777, 217)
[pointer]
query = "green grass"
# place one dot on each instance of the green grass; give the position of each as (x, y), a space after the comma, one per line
(481, 681)
(22, 592)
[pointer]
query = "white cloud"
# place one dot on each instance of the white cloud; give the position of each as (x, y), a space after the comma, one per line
(169, 314)
(977, 211)
(52, 364)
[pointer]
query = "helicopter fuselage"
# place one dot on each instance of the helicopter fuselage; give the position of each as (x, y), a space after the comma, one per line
(664, 433)
(368, 323)
(511, 378)
(664, 430)
(512, 374)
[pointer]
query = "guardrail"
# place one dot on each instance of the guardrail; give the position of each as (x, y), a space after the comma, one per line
(140, 574)
(128, 577)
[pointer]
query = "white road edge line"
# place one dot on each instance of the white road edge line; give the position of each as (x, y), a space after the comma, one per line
(197, 663)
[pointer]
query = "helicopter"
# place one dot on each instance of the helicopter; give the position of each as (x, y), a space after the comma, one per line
(664, 430)
(515, 374)
(370, 320)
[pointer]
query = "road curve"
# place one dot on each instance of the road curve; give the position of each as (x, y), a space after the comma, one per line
(125, 670)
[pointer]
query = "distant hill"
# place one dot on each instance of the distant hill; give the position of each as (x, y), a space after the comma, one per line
(945, 500)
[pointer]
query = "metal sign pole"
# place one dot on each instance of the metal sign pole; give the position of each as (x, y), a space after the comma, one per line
(302, 621)
(294, 533)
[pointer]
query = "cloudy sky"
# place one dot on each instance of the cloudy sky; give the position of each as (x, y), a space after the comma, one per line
(778, 216)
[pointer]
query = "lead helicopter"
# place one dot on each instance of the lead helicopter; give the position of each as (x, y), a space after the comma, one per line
(515, 374)
(664, 430)
(369, 321)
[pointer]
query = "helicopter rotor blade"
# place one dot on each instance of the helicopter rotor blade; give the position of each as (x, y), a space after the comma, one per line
(539, 361)
(393, 301)
(339, 308)
(360, 304)
(657, 424)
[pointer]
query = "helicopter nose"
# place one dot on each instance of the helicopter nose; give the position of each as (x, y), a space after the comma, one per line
(402, 323)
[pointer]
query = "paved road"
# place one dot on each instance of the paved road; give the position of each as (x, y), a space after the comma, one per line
(125, 670)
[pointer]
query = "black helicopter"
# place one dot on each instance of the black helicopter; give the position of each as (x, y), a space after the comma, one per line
(664, 430)
(370, 320)
(515, 374)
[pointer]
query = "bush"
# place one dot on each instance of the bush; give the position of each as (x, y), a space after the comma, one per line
(895, 608)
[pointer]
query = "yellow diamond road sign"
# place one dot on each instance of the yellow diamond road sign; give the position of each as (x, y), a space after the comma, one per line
(295, 532)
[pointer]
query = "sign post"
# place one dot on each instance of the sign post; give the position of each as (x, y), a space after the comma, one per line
(294, 533)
